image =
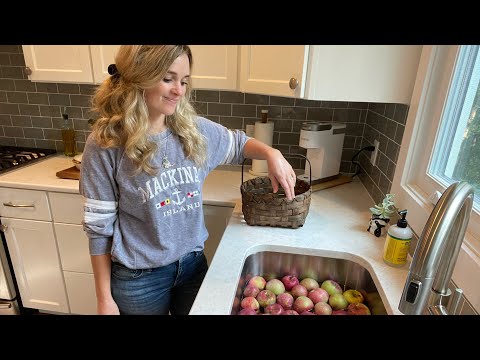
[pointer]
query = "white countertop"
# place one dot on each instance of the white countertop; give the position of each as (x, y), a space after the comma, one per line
(335, 227)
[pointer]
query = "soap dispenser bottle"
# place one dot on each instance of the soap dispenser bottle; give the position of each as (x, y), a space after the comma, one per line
(68, 136)
(397, 242)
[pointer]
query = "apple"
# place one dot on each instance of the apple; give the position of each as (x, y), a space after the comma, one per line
(275, 286)
(265, 298)
(318, 295)
(250, 302)
(247, 311)
(258, 281)
(332, 287)
(306, 313)
(353, 296)
(322, 308)
(358, 309)
(251, 290)
(290, 312)
(299, 290)
(289, 281)
(339, 312)
(338, 302)
(274, 309)
(309, 283)
(302, 303)
(286, 300)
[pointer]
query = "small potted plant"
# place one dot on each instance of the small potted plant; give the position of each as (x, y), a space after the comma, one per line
(381, 215)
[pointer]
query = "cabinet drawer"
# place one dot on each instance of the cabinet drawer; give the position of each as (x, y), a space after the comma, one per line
(81, 293)
(66, 208)
(73, 247)
(24, 204)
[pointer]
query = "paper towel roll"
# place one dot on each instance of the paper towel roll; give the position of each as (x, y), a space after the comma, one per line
(264, 133)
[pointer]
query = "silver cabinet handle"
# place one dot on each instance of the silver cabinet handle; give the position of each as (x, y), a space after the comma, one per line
(9, 204)
(293, 83)
(28, 71)
(3, 228)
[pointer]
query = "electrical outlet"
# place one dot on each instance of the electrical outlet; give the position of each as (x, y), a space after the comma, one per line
(373, 156)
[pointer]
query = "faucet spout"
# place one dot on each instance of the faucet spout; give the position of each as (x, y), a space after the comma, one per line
(437, 251)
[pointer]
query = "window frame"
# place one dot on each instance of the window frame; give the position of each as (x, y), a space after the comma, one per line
(411, 184)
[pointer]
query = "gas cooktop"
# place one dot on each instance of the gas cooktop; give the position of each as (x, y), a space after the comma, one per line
(13, 157)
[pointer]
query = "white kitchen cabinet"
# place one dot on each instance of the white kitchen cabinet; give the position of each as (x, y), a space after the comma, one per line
(216, 220)
(274, 69)
(365, 73)
(215, 66)
(102, 56)
(67, 212)
(58, 63)
(28, 229)
(36, 264)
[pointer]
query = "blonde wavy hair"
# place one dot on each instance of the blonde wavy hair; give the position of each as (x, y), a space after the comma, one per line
(120, 102)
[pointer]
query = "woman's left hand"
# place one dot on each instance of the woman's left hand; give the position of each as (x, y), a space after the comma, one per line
(281, 173)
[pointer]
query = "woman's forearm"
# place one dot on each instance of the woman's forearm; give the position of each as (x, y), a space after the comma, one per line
(102, 266)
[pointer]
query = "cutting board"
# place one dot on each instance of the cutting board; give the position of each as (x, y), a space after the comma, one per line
(341, 179)
(70, 173)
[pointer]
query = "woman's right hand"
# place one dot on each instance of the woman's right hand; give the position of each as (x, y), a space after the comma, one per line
(107, 307)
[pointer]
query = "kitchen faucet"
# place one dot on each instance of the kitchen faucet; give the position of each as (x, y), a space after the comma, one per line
(436, 254)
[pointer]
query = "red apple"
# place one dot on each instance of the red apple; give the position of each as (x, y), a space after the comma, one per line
(286, 300)
(265, 298)
(251, 290)
(250, 302)
(322, 308)
(358, 309)
(309, 283)
(274, 309)
(289, 281)
(289, 312)
(302, 303)
(275, 286)
(258, 281)
(247, 311)
(299, 290)
(339, 312)
(318, 295)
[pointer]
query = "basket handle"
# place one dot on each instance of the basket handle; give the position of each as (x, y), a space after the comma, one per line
(301, 155)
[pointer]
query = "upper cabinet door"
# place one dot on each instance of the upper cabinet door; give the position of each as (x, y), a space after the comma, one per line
(215, 66)
(102, 56)
(58, 63)
(366, 73)
(274, 69)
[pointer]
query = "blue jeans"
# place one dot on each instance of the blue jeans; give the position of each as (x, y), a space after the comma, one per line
(158, 291)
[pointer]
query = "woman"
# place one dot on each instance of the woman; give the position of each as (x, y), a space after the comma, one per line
(143, 168)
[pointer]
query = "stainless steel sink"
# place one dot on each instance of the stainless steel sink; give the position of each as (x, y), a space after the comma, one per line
(348, 274)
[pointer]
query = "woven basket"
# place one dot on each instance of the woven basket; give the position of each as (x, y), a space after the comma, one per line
(262, 207)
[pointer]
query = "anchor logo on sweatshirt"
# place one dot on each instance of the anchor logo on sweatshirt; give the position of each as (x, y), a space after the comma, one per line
(179, 201)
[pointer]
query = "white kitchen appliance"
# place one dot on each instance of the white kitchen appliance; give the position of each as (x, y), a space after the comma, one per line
(324, 144)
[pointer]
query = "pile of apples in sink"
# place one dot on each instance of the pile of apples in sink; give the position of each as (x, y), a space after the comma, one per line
(290, 296)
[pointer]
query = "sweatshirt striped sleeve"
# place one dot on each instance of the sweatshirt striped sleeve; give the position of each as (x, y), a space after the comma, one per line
(100, 194)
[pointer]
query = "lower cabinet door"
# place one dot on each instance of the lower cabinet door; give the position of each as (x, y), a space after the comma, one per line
(81, 293)
(36, 263)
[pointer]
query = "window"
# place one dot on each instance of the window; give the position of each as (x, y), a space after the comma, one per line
(442, 145)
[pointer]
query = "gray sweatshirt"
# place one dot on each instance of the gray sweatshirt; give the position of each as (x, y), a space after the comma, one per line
(147, 221)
